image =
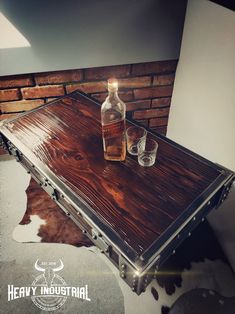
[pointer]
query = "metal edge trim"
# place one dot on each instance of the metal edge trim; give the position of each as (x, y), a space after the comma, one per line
(223, 172)
(122, 247)
(95, 221)
(166, 243)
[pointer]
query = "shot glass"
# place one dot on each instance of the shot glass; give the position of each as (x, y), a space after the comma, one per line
(134, 134)
(147, 151)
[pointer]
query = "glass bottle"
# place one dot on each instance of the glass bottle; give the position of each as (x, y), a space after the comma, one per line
(113, 114)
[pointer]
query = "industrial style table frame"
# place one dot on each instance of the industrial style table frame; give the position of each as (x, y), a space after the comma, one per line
(137, 216)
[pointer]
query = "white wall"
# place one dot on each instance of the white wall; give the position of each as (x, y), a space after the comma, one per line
(202, 115)
(87, 33)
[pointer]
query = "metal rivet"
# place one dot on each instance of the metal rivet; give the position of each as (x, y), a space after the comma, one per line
(178, 236)
(173, 252)
(123, 266)
(28, 171)
(189, 234)
(194, 218)
(62, 195)
(123, 275)
(203, 219)
(83, 231)
(94, 237)
(208, 203)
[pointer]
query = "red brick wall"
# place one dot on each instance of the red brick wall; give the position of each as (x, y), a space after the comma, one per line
(146, 88)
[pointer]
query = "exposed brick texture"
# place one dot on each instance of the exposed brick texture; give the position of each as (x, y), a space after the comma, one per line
(157, 91)
(161, 102)
(157, 122)
(158, 67)
(106, 72)
(22, 105)
(125, 96)
(139, 104)
(16, 81)
(8, 116)
(9, 94)
(146, 88)
(164, 79)
(42, 91)
(89, 87)
(151, 113)
(58, 77)
(135, 82)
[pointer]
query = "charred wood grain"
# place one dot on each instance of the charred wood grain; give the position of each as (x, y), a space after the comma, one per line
(137, 203)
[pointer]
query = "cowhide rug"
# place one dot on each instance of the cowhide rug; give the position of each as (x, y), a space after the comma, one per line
(196, 279)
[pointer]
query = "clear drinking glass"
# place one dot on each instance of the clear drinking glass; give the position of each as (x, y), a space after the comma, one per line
(134, 134)
(147, 151)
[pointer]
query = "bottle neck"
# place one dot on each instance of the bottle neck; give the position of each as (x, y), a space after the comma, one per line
(113, 93)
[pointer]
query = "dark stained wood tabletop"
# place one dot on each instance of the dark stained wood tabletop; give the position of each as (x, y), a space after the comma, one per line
(138, 203)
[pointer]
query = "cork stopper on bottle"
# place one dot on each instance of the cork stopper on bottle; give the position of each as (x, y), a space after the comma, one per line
(112, 84)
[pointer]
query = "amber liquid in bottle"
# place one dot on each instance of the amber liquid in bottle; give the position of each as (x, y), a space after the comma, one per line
(113, 113)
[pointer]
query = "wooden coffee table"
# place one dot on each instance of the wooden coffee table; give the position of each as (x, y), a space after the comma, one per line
(137, 216)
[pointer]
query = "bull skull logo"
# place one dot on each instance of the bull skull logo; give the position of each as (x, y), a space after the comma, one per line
(49, 271)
